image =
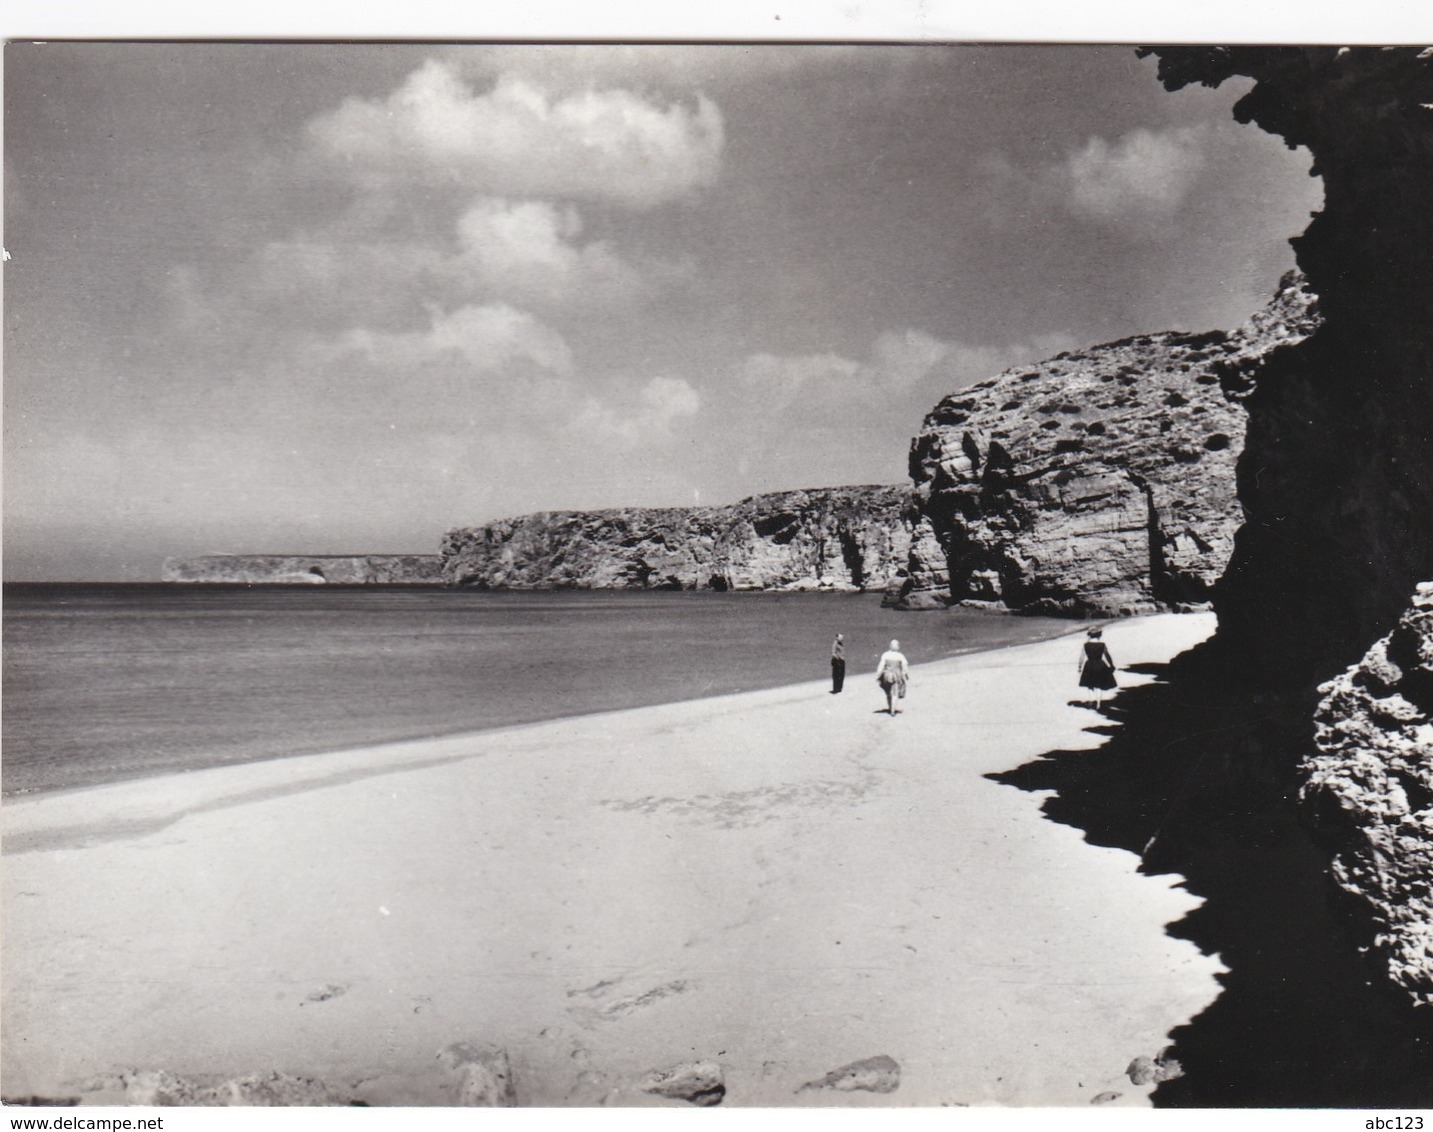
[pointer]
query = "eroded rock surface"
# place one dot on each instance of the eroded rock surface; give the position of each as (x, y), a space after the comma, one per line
(1370, 788)
(159, 1087)
(842, 538)
(1153, 1070)
(1100, 481)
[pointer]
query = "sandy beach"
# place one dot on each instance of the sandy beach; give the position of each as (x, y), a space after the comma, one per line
(780, 882)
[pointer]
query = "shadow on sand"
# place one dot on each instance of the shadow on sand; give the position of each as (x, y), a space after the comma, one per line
(1197, 778)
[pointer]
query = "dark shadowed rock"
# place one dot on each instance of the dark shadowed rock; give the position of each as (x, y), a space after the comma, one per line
(840, 538)
(879, 1074)
(699, 1082)
(1153, 1070)
(1336, 475)
(1100, 481)
(1202, 775)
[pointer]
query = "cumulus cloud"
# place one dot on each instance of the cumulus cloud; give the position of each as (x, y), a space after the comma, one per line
(435, 325)
(903, 358)
(486, 338)
(473, 301)
(517, 139)
(467, 194)
(321, 280)
(776, 381)
(530, 249)
(1135, 184)
(800, 420)
(1147, 173)
(500, 377)
(696, 66)
(665, 399)
(659, 405)
(528, 253)
(906, 370)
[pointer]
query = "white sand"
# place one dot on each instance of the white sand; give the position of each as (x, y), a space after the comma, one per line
(782, 881)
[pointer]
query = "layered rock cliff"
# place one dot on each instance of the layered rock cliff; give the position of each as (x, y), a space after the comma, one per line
(844, 538)
(1098, 482)
(308, 569)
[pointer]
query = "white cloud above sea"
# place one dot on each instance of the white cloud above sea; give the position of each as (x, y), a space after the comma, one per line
(442, 332)
(519, 139)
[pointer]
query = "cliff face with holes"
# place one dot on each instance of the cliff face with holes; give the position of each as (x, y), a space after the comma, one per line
(1369, 787)
(1336, 478)
(840, 539)
(308, 569)
(1098, 482)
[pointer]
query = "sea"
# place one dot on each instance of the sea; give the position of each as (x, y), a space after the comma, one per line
(108, 682)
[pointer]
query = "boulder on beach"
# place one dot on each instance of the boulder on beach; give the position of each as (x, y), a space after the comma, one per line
(879, 1074)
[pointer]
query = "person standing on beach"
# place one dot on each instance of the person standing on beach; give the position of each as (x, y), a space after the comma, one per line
(891, 674)
(1097, 667)
(838, 664)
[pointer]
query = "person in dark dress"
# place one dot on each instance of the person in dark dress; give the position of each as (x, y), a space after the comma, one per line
(838, 664)
(1097, 667)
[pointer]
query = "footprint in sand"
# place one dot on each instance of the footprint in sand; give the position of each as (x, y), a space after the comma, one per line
(589, 1016)
(595, 989)
(333, 990)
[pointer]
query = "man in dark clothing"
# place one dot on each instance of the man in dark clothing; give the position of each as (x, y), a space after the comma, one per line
(838, 664)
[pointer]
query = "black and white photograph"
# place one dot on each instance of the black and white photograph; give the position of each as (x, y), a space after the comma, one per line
(585, 574)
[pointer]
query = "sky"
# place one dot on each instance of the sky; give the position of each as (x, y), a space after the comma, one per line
(309, 298)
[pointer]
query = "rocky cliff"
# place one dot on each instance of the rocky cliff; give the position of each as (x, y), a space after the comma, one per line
(308, 569)
(1370, 790)
(844, 538)
(1336, 476)
(1308, 844)
(1100, 481)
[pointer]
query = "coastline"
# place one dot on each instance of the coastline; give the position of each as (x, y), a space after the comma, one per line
(782, 881)
(231, 675)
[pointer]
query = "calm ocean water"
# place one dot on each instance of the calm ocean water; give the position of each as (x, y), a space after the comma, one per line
(110, 682)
